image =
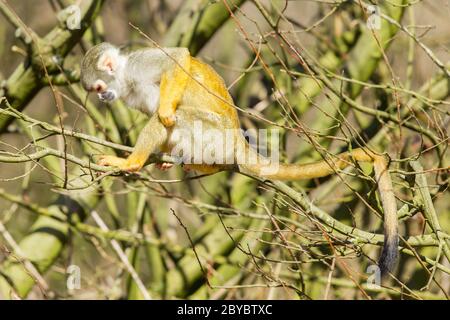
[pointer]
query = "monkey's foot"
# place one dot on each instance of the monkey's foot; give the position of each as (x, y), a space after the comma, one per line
(164, 166)
(167, 117)
(121, 163)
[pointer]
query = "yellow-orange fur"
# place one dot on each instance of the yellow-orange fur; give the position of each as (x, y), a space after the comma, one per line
(196, 84)
(192, 91)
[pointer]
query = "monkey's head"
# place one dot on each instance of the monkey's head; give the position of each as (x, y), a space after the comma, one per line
(101, 71)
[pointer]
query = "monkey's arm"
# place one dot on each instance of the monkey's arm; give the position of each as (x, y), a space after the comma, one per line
(173, 84)
(152, 137)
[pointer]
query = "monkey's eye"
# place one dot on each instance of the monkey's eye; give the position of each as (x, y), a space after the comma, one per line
(99, 86)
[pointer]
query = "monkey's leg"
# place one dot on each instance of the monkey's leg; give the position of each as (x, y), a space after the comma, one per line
(173, 84)
(152, 137)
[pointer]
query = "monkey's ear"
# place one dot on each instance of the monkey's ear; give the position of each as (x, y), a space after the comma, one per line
(108, 61)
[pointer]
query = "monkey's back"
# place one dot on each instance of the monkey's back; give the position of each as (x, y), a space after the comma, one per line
(206, 90)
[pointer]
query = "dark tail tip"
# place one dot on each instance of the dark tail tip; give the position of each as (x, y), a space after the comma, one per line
(389, 255)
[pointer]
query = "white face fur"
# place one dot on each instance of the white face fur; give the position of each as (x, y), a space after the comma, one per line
(137, 88)
(113, 64)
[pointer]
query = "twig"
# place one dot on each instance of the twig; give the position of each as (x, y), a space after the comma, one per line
(123, 257)
(428, 207)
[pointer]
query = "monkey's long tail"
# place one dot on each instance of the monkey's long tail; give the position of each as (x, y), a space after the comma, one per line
(262, 168)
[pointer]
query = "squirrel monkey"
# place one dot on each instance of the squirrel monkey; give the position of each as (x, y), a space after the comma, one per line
(178, 91)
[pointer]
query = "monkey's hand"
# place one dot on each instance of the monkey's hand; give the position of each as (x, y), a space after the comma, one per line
(121, 163)
(166, 115)
(164, 166)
